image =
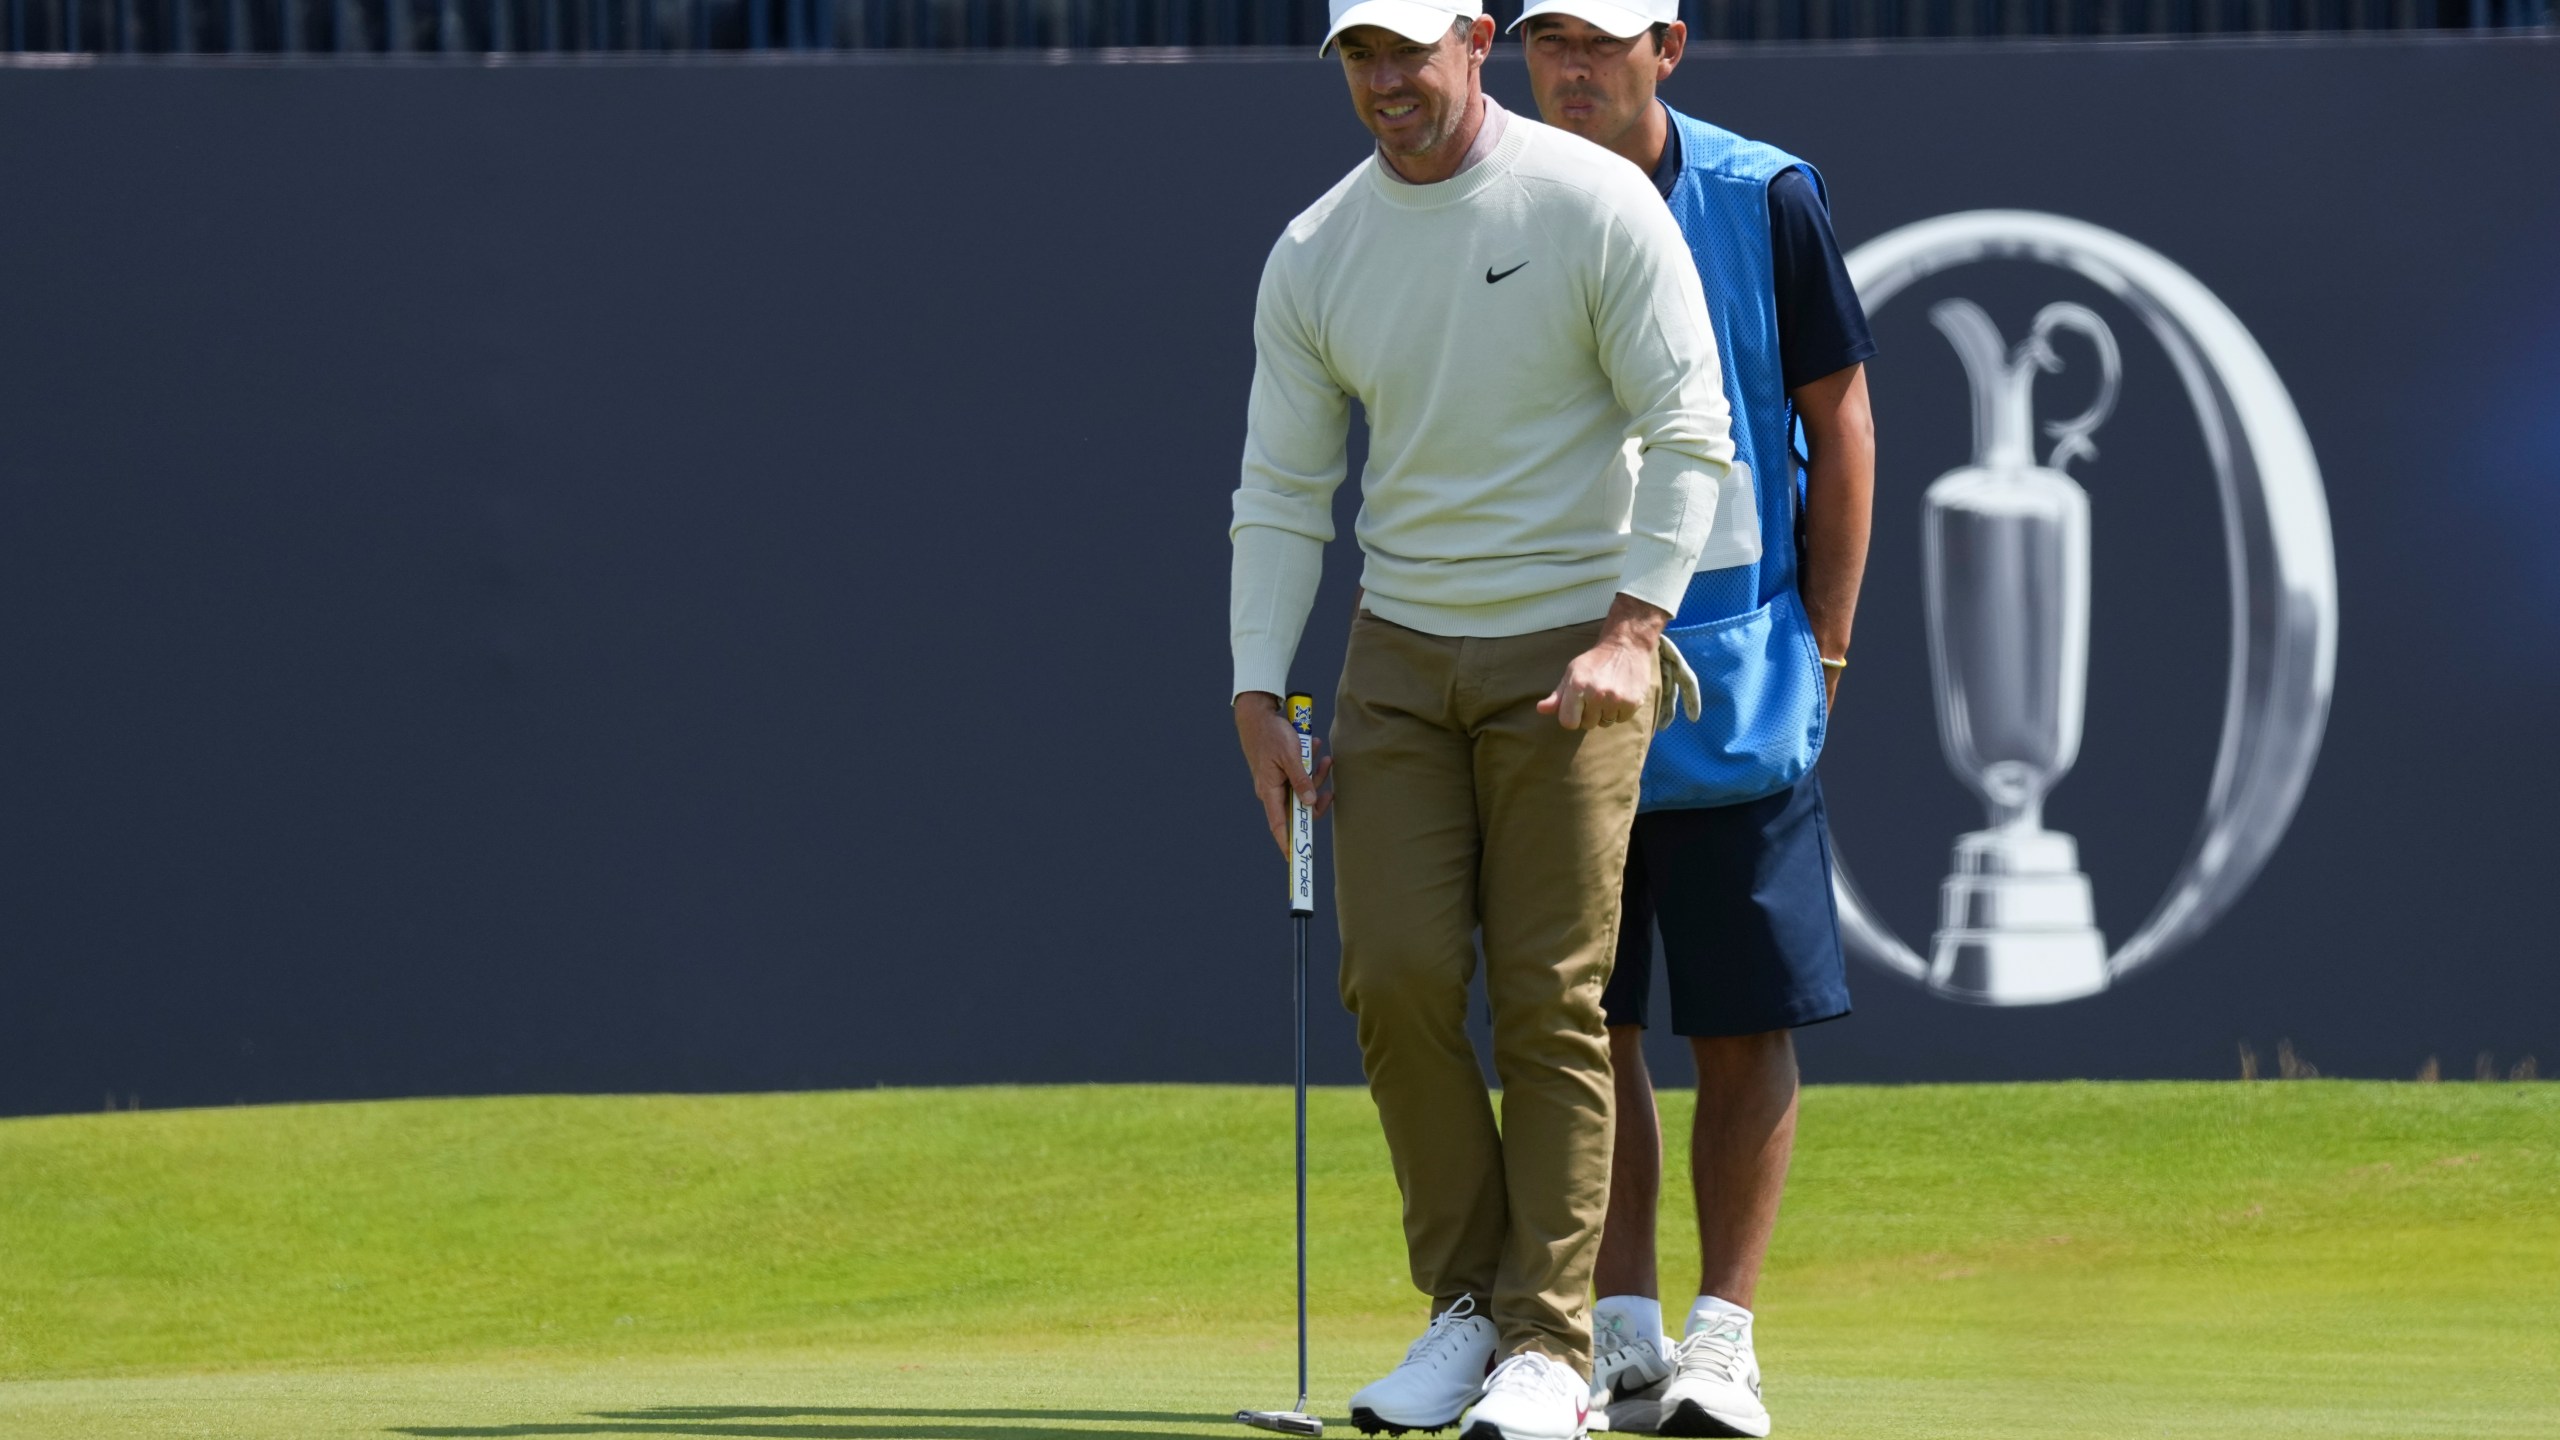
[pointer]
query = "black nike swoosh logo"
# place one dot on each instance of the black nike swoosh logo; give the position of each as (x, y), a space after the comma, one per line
(1492, 279)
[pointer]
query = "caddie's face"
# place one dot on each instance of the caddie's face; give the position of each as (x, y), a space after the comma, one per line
(1592, 83)
(1412, 95)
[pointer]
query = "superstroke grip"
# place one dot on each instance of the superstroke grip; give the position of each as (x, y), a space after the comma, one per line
(1302, 823)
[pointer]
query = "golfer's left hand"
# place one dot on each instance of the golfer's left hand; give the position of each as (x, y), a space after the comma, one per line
(1607, 683)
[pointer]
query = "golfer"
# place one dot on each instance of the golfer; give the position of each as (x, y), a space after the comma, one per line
(1515, 312)
(1730, 856)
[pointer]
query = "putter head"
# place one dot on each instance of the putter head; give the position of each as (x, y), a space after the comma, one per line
(1287, 1422)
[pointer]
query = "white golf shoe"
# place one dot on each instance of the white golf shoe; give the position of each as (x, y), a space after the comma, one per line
(1442, 1374)
(1714, 1387)
(1623, 1362)
(1530, 1397)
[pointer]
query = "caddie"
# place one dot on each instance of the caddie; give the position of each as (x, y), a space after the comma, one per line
(1516, 313)
(1731, 857)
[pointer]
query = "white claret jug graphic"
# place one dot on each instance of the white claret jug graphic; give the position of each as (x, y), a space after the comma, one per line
(2005, 546)
(2006, 552)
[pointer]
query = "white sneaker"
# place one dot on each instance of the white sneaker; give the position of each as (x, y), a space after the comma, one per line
(1715, 1386)
(1442, 1374)
(1634, 1410)
(1530, 1397)
(1622, 1363)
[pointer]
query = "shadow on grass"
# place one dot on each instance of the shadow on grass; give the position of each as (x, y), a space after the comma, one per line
(901, 1412)
(888, 1422)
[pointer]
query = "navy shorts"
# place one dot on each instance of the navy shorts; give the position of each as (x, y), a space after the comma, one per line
(1742, 896)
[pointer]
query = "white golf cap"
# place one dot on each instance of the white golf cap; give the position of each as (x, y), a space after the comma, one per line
(1626, 21)
(1422, 21)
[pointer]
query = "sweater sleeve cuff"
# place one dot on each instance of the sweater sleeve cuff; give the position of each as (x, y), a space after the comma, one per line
(1271, 589)
(1657, 572)
(1266, 671)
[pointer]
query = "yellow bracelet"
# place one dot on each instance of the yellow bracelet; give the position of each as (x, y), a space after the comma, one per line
(1840, 664)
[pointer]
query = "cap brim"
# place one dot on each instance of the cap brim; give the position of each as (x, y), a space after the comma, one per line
(1416, 22)
(1616, 20)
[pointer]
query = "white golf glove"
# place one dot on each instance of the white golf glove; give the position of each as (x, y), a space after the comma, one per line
(1679, 686)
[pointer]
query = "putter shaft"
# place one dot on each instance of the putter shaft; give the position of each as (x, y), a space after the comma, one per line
(1302, 903)
(1300, 923)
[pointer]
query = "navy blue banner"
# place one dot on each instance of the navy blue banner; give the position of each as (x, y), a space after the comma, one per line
(710, 577)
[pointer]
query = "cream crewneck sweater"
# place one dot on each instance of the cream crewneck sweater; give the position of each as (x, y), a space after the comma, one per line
(1508, 331)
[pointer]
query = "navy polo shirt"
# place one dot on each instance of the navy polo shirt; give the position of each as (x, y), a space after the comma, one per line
(1822, 329)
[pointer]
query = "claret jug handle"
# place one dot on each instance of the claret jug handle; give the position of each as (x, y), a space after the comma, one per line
(2004, 381)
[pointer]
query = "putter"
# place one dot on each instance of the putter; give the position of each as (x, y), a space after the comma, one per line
(1302, 903)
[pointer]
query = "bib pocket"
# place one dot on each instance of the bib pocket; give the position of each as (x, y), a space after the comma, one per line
(1763, 720)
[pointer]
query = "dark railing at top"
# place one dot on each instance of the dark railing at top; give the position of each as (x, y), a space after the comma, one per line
(322, 28)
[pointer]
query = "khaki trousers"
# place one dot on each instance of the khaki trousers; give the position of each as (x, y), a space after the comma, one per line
(1458, 807)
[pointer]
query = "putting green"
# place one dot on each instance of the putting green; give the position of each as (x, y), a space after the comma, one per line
(2325, 1258)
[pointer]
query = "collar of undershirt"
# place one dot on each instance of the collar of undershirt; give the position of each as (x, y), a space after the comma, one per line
(1666, 171)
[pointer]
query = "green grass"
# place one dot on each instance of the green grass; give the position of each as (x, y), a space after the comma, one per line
(2319, 1258)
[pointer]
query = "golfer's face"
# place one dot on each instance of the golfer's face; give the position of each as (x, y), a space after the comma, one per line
(1410, 94)
(1589, 81)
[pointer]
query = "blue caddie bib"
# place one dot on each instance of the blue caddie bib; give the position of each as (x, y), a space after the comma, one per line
(1742, 627)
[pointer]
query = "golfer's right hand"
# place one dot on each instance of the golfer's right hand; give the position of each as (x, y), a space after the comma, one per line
(1271, 754)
